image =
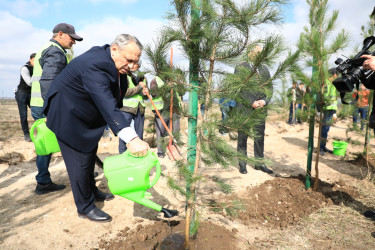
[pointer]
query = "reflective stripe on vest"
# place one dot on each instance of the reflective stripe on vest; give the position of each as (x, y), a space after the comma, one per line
(133, 101)
(158, 101)
(36, 94)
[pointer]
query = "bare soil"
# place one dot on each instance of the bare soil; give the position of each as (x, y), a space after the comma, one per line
(262, 211)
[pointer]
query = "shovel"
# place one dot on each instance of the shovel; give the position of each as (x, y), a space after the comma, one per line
(173, 148)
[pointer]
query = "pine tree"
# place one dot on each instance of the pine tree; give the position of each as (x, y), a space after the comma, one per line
(220, 35)
(316, 42)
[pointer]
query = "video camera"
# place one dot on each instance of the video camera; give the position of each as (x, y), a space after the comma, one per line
(351, 69)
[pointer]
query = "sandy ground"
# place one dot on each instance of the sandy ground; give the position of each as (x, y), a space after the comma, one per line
(30, 221)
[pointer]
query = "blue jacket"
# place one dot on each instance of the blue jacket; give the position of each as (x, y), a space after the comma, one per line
(85, 97)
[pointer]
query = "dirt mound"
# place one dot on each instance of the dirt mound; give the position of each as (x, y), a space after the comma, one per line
(282, 202)
(12, 158)
(169, 235)
(276, 203)
(362, 162)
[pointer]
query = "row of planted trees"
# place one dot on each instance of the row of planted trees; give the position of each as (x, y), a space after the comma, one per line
(215, 36)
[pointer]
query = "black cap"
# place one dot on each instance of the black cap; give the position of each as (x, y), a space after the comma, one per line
(68, 29)
(32, 55)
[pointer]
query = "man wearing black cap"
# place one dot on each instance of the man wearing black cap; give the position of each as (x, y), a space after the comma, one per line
(50, 60)
(23, 95)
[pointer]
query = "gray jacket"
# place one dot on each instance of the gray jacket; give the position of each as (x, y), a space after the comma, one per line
(53, 61)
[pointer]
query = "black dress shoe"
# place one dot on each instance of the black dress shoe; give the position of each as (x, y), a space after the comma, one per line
(101, 196)
(96, 215)
(48, 188)
(369, 214)
(264, 169)
(243, 170)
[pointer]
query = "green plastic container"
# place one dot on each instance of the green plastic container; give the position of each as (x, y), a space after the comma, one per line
(45, 140)
(339, 147)
(128, 176)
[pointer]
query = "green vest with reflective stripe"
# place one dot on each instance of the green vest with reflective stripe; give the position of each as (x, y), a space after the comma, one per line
(133, 101)
(36, 95)
(330, 96)
(158, 101)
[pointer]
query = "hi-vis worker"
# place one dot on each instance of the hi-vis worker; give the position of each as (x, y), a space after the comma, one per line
(163, 104)
(49, 61)
(330, 107)
(134, 104)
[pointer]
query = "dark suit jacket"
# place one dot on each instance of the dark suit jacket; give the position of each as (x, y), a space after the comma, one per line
(251, 97)
(85, 97)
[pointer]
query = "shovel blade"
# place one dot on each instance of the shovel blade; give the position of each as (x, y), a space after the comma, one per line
(174, 153)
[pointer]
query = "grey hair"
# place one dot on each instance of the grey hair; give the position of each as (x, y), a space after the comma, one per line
(124, 39)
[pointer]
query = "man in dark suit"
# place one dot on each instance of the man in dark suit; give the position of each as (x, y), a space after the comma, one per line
(253, 101)
(83, 98)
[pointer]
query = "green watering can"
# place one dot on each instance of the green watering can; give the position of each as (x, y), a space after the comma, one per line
(45, 140)
(128, 176)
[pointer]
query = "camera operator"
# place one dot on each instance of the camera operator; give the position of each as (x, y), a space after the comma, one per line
(369, 63)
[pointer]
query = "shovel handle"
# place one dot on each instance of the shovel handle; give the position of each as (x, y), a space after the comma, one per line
(171, 117)
(171, 106)
(159, 115)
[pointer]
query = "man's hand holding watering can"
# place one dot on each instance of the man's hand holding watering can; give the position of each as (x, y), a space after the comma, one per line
(137, 147)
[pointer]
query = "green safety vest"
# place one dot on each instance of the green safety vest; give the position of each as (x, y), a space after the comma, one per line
(133, 101)
(330, 96)
(36, 95)
(158, 101)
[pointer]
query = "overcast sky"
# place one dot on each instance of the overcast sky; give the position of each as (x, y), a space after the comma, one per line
(26, 25)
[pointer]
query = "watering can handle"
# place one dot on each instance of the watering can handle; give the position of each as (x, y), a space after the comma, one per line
(35, 125)
(158, 172)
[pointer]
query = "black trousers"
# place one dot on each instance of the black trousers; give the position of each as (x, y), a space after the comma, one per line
(23, 101)
(258, 142)
(80, 167)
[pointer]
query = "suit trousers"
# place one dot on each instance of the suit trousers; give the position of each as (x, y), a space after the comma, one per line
(80, 167)
(258, 142)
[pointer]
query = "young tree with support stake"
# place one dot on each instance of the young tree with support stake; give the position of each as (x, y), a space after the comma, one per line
(314, 42)
(213, 35)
